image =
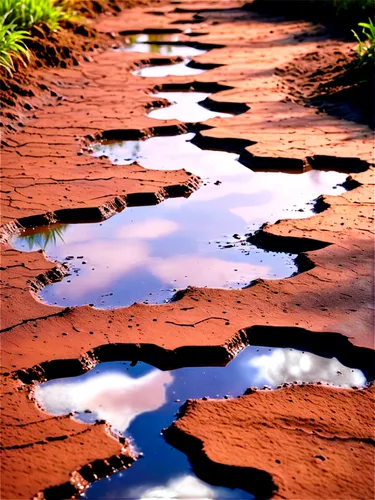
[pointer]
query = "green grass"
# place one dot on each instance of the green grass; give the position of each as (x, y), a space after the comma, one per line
(17, 17)
(45, 235)
(25, 13)
(12, 45)
(366, 44)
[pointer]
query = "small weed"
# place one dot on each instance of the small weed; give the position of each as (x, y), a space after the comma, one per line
(12, 44)
(25, 13)
(16, 19)
(366, 47)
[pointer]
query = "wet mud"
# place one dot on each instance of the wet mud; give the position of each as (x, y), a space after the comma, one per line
(50, 177)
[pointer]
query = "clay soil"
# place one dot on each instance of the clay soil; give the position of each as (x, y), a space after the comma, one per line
(302, 442)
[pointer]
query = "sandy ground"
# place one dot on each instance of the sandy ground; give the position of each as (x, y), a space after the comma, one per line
(49, 176)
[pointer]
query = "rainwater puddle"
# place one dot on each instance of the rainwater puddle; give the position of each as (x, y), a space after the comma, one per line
(185, 107)
(179, 69)
(166, 45)
(146, 254)
(138, 401)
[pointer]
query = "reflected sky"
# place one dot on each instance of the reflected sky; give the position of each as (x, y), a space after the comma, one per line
(139, 401)
(178, 69)
(185, 107)
(153, 44)
(147, 253)
(159, 44)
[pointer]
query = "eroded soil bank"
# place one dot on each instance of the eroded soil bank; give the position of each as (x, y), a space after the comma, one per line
(49, 176)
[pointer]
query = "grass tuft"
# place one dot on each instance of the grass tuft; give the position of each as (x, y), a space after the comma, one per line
(366, 47)
(17, 17)
(23, 14)
(12, 44)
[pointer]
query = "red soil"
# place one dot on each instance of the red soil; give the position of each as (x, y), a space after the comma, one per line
(48, 176)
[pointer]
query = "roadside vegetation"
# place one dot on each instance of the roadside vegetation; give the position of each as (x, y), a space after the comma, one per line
(344, 16)
(12, 44)
(366, 44)
(337, 82)
(24, 22)
(17, 17)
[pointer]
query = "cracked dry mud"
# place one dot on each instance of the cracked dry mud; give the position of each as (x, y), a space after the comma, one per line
(327, 308)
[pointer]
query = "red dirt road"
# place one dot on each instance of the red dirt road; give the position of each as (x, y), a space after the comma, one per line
(49, 176)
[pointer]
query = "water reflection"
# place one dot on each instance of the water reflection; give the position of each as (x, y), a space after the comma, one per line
(139, 400)
(179, 69)
(278, 194)
(293, 366)
(43, 236)
(121, 400)
(185, 107)
(166, 45)
(147, 253)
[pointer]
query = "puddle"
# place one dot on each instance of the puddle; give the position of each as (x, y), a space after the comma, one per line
(185, 107)
(138, 400)
(179, 69)
(145, 254)
(166, 45)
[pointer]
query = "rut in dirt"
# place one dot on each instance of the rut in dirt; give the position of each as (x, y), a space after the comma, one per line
(146, 254)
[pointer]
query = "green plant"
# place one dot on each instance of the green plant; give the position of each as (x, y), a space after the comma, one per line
(12, 44)
(44, 236)
(352, 5)
(25, 13)
(366, 48)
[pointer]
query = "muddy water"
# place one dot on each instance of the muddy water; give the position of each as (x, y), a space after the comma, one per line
(139, 401)
(147, 253)
(185, 107)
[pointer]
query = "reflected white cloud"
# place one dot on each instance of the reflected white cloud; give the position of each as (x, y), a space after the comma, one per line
(114, 397)
(180, 69)
(197, 270)
(148, 229)
(110, 261)
(185, 107)
(192, 488)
